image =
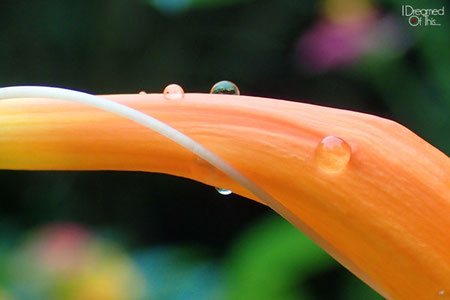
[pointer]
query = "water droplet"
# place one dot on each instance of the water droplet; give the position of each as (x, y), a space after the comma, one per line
(225, 87)
(223, 191)
(142, 93)
(443, 294)
(173, 92)
(333, 154)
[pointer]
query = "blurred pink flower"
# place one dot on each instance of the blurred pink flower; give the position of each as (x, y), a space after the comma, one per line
(66, 261)
(330, 44)
(61, 247)
(345, 33)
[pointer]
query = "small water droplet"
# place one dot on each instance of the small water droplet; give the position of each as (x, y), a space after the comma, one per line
(333, 154)
(173, 92)
(225, 87)
(142, 93)
(443, 295)
(223, 191)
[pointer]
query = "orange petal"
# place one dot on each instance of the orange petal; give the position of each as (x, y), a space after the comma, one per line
(385, 216)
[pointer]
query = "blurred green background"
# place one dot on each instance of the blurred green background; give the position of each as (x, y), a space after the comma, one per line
(124, 235)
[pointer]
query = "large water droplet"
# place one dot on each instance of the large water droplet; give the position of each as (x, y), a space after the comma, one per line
(223, 191)
(333, 154)
(142, 93)
(173, 92)
(225, 87)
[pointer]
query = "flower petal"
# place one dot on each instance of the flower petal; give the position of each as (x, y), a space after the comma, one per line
(386, 216)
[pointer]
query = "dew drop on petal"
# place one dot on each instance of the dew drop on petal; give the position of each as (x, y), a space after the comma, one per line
(173, 92)
(142, 93)
(443, 295)
(225, 87)
(332, 154)
(223, 191)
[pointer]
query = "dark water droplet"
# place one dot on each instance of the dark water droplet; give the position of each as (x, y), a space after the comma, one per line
(225, 87)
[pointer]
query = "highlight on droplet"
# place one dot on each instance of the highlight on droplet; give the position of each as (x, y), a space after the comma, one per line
(332, 154)
(173, 92)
